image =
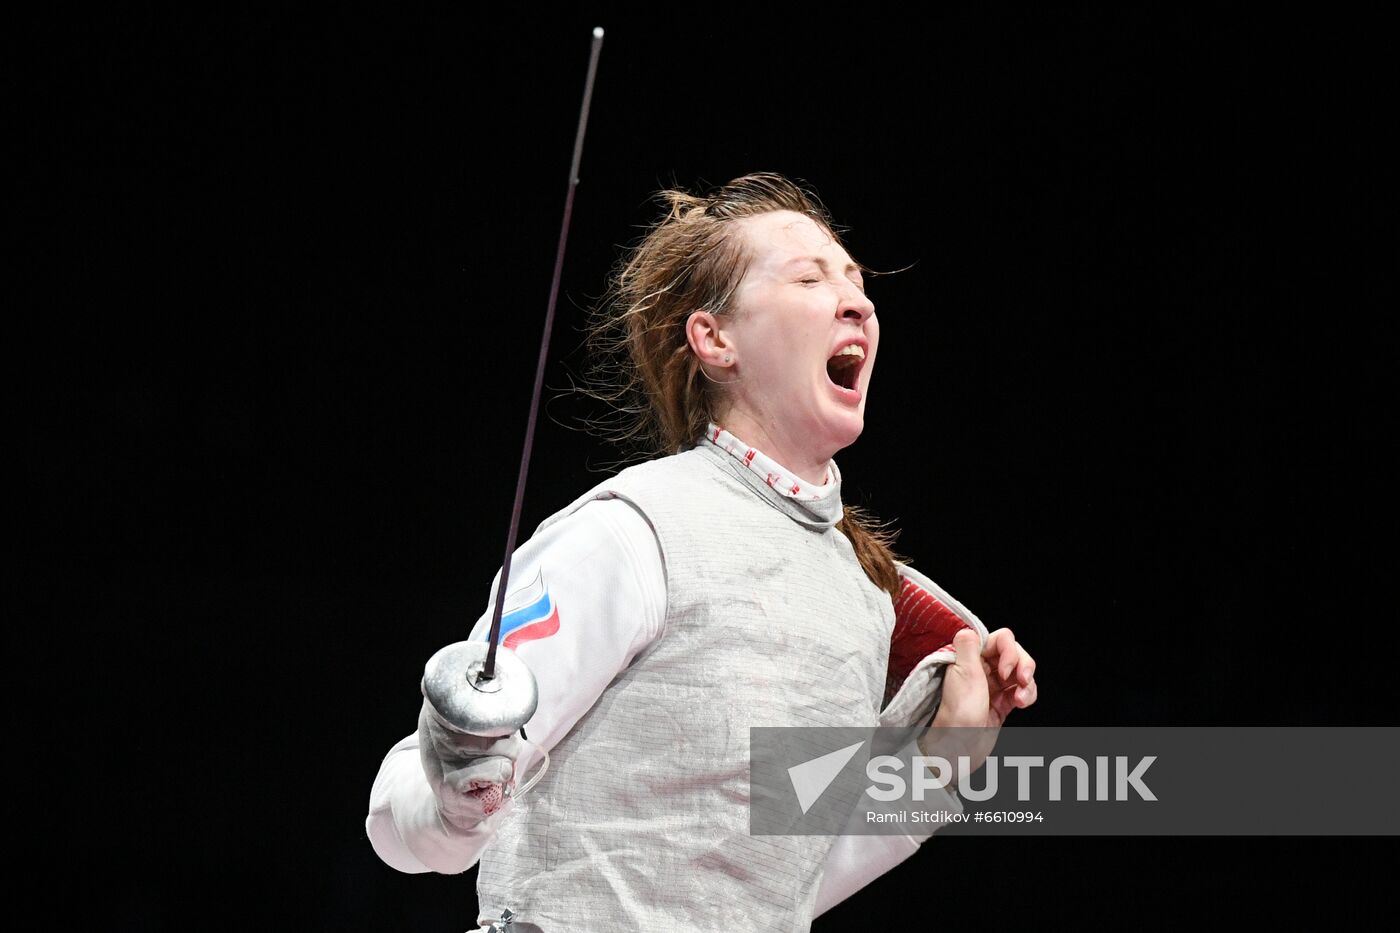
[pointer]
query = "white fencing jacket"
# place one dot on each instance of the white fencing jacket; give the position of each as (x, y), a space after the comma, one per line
(605, 605)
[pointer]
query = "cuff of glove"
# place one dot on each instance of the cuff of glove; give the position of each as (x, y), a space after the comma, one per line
(405, 824)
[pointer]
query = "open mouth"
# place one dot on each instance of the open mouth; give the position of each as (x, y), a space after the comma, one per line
(844, 368)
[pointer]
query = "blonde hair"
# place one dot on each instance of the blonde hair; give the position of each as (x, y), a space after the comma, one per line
(691, 260)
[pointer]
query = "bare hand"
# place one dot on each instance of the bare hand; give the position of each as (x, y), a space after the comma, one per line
(980, 690)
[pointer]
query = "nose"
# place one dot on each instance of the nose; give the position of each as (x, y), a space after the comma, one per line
(854, 306)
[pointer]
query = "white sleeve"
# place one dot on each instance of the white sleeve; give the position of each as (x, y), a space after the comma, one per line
(587, 595)
(855, 861)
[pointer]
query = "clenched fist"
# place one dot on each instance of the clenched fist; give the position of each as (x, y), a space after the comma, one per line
(468, 773)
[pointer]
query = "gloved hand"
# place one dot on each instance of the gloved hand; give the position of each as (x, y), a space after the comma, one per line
(468, 773)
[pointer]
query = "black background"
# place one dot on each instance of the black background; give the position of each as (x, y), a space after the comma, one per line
(284, 276)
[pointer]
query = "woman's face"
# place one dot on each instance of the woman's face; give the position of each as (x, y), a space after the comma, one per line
(804, 338)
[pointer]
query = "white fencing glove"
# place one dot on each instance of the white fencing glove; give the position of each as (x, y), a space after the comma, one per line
(468, 773)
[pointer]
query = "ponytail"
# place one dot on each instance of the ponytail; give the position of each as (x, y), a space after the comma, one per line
(872, 543)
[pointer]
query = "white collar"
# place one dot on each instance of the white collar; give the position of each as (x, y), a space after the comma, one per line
(774, 473)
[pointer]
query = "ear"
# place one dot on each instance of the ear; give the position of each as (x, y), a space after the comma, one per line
(702, 332)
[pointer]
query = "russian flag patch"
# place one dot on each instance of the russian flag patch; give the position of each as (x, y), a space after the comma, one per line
(538, 619)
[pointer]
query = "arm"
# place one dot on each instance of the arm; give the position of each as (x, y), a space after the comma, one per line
(855, 861)
(987, 675)
(926, 621)
(587, 596)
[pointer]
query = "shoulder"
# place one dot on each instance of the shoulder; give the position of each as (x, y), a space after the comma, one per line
(600, 522)
(605, 552)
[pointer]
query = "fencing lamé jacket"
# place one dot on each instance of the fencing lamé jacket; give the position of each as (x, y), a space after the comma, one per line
(664, 613)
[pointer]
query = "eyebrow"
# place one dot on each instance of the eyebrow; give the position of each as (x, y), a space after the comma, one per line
(822, 264)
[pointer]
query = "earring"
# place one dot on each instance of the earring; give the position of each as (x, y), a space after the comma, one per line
(727, 357)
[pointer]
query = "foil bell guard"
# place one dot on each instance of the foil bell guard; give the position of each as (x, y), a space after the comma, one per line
(466, 701)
